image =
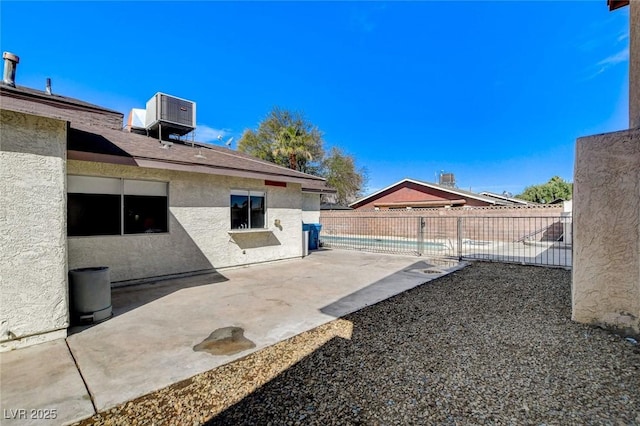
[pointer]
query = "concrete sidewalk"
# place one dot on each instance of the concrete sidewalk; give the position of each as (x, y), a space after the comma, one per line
(149, 343)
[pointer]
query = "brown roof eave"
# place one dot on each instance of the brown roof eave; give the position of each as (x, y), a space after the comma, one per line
(101, 158)
(85, 143)
(318, 191)
(21, 92)
(214, 170)
(616, 4)
(153, 163)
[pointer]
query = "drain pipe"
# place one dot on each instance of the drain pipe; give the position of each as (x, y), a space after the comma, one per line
(10, 65)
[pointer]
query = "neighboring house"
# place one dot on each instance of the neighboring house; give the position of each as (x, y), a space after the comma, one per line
(557, 201)
(512, 200)
(334, 206)
(78, 191)
(411, 193)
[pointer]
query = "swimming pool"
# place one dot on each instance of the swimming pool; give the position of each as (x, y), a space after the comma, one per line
(381, 243)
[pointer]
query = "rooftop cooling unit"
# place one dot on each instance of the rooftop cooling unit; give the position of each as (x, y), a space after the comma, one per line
(136, 120)
(170, 115)
(447, 179)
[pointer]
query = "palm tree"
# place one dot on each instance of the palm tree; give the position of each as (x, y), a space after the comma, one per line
(292, 143)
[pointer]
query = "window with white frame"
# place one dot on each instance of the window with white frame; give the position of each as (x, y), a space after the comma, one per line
(112, 206)
(248, 209)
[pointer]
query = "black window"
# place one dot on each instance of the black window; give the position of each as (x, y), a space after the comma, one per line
(145, 214)
(111, 206)
(93, 214)
(248, 210)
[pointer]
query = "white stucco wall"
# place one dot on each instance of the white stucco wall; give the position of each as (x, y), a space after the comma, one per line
(310, 208)
(33, 256)
(199, 225)
(606, 224)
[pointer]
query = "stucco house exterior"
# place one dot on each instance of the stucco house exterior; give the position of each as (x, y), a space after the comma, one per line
(78, 191)
(412, 193)
(606, 211)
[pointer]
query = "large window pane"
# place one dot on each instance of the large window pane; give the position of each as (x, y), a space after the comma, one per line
(111, 206)
(239, 211)
(248, 209)
(257, 211)
(93, 214)
(145, 214)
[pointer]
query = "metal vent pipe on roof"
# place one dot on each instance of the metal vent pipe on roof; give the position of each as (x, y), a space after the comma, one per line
(48, 87)
(10, 65)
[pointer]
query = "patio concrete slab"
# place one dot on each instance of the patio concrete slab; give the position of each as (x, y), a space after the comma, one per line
(41, 385)
(149, 343)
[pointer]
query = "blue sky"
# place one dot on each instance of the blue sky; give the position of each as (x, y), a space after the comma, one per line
(494, 92)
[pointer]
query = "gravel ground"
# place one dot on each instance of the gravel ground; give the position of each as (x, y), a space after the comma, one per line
(489, 344)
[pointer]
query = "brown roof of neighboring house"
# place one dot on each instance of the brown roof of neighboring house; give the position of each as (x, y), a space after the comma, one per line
(455, 191)
(505, 198)
(120, 147)
(334, 206)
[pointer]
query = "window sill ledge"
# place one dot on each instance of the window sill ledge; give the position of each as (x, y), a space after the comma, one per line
(118, 235)
(248, 231)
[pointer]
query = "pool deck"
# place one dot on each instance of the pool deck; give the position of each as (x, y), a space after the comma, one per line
(530, 253)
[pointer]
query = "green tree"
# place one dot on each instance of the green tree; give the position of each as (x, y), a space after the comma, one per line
(546, 193)
(257, 146)
(294, 144)
(287, 139)
(342, 174)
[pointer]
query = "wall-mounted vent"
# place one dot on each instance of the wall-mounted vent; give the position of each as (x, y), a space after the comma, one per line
(170, 115)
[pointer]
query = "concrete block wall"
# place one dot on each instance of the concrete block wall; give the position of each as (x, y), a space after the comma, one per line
(606, 263)
(33, 249)
(499, 223)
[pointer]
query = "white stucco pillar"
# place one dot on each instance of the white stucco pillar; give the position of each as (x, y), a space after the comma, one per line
(33, 244)
(606, 215)
(606, 224)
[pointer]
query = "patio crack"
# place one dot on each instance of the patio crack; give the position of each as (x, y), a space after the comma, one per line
(84, 382)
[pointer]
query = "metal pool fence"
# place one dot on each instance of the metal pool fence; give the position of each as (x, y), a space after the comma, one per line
(543, 240)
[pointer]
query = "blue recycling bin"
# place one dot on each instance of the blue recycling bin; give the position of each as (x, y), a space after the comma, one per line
(314, 236)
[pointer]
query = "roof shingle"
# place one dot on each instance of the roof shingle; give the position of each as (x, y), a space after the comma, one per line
(121, 147)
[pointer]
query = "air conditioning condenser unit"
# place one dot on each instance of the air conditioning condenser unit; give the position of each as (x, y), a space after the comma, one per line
(174, 115)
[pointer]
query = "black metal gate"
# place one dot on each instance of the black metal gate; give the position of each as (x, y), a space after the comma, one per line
(543, 240)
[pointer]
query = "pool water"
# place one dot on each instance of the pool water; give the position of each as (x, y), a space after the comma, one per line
(379, 243)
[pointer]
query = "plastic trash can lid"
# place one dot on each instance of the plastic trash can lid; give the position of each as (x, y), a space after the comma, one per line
(90, 269)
